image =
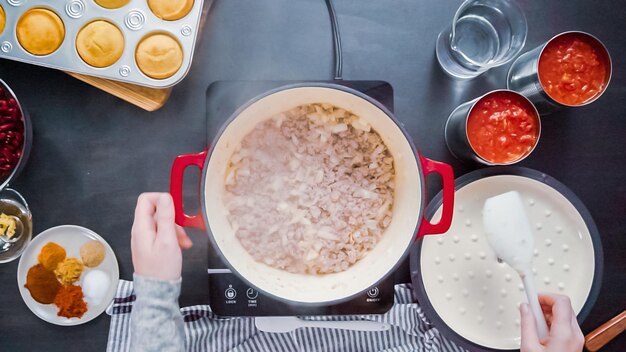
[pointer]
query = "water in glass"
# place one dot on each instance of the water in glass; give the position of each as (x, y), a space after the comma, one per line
(484, 34)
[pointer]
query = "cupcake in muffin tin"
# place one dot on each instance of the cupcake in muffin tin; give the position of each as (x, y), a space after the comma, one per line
(146, 42)
(100, 43)
(3, 19)
(159, 56)
(170, 10)
(112, 4)
(40, 31)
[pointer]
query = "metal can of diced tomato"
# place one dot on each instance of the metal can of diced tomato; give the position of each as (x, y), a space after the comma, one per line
(572, 69)
(501, 127)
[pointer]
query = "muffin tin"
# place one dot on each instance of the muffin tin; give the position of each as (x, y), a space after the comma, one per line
(135, 20)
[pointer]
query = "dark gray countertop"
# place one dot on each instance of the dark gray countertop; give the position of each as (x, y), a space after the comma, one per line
(93, 153)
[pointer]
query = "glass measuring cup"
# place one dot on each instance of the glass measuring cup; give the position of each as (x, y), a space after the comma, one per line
(14, 205)
(483, 34)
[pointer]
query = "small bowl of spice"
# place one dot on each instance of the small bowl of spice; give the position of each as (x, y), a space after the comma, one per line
(501, 127)
(16, 225)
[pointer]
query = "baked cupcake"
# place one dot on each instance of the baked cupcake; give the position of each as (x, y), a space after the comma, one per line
(170, 10)
(100, 43)
(3, 19)
(112, 4)
(40, 31)
(159, 56)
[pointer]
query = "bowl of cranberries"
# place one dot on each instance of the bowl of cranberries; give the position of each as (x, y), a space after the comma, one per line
(15, 135)
(15, 144)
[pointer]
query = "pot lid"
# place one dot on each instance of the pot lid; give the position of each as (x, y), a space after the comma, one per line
(473, 297)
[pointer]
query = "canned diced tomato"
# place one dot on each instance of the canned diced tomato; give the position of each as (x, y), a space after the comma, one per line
(502, 127)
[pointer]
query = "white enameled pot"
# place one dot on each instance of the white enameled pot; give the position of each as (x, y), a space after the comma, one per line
(407, 222)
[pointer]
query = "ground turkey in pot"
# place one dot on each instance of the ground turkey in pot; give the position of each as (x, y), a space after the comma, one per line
(310, 190)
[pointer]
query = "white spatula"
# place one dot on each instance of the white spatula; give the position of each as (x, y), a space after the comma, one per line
(509, 234)
(287, 324)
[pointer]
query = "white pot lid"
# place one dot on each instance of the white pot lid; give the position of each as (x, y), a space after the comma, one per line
(472, 296)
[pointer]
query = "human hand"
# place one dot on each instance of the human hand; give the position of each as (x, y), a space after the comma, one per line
(156, 240)
(564, 333)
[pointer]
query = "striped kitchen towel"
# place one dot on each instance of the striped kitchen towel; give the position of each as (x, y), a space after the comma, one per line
(410, 330)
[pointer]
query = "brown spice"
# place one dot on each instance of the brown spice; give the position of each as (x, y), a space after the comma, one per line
(92, 253)
(42, 284)
(70, 302)
(51, 255)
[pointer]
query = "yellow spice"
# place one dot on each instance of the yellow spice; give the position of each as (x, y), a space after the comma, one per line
(51, 255)
(69, 270)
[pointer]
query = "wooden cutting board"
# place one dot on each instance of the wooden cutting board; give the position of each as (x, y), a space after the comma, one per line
(149, 99)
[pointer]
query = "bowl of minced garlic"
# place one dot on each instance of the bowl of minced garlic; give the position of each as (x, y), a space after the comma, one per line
(8, 226)
(54, 279)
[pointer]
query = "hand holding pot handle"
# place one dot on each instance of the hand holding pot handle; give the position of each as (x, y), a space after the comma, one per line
(447, 177)
(156, 241)
(176, 188)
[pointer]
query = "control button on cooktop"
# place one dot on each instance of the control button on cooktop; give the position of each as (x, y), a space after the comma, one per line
(230, 293)
(251, 293)
(373, 293)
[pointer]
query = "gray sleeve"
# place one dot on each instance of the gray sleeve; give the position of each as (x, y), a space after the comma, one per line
(156, 323)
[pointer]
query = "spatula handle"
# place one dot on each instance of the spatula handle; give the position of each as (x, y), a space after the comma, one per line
(535, 307)
(605, 333)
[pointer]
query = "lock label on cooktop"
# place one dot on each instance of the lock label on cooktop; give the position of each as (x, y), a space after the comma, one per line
(230, 295)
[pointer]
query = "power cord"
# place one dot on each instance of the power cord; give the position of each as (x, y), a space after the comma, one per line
(336, 40)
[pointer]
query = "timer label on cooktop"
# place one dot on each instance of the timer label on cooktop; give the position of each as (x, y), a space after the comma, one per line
(252, 296)
(251, 293)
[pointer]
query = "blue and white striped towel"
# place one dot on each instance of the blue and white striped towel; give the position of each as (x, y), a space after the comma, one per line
(204, 331)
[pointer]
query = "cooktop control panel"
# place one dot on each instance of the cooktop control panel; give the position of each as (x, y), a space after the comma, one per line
(230, 296)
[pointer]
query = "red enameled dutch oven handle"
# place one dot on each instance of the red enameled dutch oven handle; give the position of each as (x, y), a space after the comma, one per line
(176, 188)
(447, 176)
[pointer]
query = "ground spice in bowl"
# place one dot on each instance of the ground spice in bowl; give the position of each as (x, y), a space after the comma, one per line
(42, 284)
(7, 226)
(70, 302)
(51, 255)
